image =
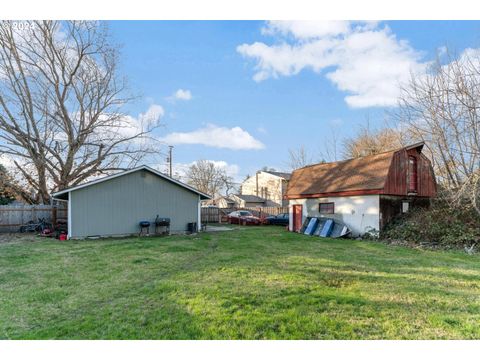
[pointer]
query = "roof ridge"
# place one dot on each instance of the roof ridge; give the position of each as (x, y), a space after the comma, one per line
(277, 172)
(360, 157)
(366, 173)
(129, 171)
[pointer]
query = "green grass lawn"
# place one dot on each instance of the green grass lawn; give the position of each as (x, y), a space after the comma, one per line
(250, 283)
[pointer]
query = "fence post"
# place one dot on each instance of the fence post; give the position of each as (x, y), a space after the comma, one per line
(54, 215)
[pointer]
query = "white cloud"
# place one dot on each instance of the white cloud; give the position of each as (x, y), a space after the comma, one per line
(153, 114)
(306, 29)
(442, 50)
(262, 129)
(112, 127)
(144, 121)
(7, 160)
(181, 94)
(216, 136)
(363, 59)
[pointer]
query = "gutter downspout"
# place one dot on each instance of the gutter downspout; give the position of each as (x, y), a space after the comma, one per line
(69, 216)
(199, 214)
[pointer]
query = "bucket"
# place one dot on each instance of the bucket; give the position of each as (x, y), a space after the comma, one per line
(192, 227)
(62, 237)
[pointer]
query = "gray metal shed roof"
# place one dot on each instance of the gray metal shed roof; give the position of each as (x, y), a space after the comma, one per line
(251, 198)
(203, 196)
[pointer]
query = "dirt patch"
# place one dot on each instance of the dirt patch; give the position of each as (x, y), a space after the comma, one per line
(215, 228)
(16, 237)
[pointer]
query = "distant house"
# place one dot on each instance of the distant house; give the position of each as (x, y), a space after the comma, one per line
(365, 193)
(243, 201)
(270, 186)
(223, 202)
(114, 205)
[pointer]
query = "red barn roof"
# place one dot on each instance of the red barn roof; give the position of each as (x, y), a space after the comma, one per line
(359, 176)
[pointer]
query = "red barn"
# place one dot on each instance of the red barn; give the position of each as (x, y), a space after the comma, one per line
(365, 193)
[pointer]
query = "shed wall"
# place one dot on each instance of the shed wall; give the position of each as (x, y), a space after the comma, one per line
(115, 207)
(359, 213)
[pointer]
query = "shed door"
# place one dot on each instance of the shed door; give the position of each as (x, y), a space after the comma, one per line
(297, 217)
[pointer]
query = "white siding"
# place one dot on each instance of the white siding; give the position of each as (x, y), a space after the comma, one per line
(359, 213)
(270, 187)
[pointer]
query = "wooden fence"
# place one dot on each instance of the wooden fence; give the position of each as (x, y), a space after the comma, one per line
(218, 215)
(13, 216)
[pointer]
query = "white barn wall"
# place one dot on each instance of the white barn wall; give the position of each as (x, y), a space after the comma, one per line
(359, 213)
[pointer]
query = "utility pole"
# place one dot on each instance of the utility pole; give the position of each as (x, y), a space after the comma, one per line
(170, 147)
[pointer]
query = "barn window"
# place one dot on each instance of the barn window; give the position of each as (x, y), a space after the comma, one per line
(412, 173)
(326, 208)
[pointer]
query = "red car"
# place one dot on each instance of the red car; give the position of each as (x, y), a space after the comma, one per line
(243, 217)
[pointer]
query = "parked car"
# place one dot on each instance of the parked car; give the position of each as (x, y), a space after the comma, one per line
(243, 217)
(280, 219)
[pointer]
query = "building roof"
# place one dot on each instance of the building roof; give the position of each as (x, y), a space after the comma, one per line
(366, 173)
(59, 194)
(215, 200)
(284, 175)
(251, 198)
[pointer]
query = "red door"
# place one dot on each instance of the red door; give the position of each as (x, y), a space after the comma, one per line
(297, 217)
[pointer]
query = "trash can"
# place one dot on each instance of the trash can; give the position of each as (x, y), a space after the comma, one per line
(192, 227)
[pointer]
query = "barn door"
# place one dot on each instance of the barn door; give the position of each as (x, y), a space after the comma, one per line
(297, 217)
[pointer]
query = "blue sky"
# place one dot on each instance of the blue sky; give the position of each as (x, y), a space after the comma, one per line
(254, 89)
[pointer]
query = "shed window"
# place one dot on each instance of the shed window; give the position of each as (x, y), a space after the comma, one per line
(326, 208)
(412, 172)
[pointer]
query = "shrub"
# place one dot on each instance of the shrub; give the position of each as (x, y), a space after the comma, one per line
(438, 226)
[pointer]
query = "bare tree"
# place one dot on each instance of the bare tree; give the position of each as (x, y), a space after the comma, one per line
(268, 168)
(369, 142)
(10, 186)
(298, 158)
(208, 178)
(329, 150)
(229, 184)
(7, 191)
(61, 101)
(442, 108)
